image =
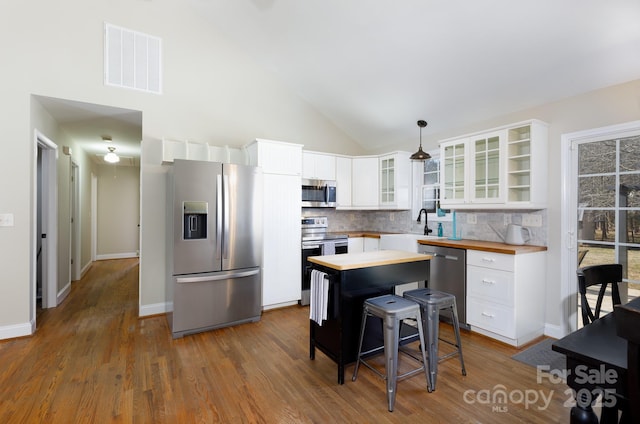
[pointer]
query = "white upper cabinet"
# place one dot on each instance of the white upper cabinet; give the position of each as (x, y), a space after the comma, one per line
(453, 172)
(275, 157)
(503, 167)
(486, 167)
(395, 180)
(365, 182)
(180, 149)
(343, 181)
(318, 166)
(526, 181)
(173, 149)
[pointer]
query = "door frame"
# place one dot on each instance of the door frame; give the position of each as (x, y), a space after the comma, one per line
(49, 209)
(75, 228)
(568, 222)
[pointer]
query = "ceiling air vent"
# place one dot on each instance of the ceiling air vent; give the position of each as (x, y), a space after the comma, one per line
(132, 59)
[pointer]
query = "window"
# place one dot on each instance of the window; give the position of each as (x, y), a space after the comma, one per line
(430, 189)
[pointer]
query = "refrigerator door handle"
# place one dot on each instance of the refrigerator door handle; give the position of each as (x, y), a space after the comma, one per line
(226, 201)
(218, 216)
(225, 276)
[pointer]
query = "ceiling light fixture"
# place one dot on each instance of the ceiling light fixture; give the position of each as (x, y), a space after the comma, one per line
(420, 154)
(111, 157)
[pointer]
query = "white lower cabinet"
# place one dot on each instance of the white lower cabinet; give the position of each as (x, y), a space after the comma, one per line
(363, 244)
(371, 244)
(355, 245)
(506, 295)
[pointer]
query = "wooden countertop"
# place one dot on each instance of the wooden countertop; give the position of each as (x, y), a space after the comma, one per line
(369, 234)
(486, 246)
(349, 261)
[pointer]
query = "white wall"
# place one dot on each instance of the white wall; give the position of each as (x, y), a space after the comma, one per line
(212, 94)
(118, 211)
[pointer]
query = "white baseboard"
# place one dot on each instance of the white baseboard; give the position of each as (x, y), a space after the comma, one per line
(17, 330)
(62, 294)
(154, 309)
(279, 305)
(554, 331)
(124, 255)
(85, 268)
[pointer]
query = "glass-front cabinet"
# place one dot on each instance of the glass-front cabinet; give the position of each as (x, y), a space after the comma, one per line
(501, 167)
(453, 168)
(486, 168)
(395, 179)
(387, 180)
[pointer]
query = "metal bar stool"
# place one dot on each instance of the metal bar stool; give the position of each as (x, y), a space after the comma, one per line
(392, 310)
(431, 303)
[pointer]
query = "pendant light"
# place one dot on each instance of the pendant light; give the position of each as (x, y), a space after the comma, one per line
(111, 157)
(420, 154)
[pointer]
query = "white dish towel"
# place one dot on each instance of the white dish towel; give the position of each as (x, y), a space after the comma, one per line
(329, 248)
(319, 299)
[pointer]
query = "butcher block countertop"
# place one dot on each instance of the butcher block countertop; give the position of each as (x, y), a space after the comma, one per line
(368, 234)
(486, 246)
(349, 261)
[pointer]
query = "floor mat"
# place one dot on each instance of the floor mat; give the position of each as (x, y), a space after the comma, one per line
(541, 354)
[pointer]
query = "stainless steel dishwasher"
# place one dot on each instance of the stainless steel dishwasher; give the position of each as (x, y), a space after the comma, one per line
(449, 274)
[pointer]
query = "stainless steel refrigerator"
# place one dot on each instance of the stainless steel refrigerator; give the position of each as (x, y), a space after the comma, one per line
(214, 246)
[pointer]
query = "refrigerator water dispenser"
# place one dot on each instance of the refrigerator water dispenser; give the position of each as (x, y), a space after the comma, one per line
(194, 220)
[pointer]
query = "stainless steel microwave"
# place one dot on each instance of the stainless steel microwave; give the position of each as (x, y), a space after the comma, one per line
(318, 193)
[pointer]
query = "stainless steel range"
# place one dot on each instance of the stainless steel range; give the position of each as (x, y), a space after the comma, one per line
(316, 241)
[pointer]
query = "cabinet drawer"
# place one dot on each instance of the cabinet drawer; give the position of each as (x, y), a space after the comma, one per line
(491, 317)
(491, 260)
(490, 284)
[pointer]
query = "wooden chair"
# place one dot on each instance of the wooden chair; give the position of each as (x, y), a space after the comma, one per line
(602, 275)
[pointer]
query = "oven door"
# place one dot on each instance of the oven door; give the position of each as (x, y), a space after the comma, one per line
(316, 248)
(308, 249)
(341, 247)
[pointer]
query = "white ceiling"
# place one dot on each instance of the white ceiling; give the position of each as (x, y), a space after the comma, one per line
(88, 123)
(374, 67)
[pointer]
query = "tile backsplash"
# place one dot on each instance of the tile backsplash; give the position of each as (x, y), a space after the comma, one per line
(473, 224)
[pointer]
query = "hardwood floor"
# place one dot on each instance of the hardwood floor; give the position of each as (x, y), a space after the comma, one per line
(92, 360)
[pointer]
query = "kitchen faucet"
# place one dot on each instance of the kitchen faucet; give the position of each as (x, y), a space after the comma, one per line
(427, 230)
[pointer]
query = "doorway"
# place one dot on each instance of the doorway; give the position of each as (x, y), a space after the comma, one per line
(44, 254)
(601, 209)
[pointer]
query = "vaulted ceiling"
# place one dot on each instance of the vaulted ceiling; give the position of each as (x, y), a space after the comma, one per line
(374, 67)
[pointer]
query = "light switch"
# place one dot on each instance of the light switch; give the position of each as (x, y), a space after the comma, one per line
(6, 220)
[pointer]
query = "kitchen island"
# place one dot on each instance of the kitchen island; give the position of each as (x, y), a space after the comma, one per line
(355, 277)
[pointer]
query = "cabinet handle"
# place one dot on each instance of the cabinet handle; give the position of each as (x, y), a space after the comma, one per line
(486, 281)
(485, 259)
(488, 315)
